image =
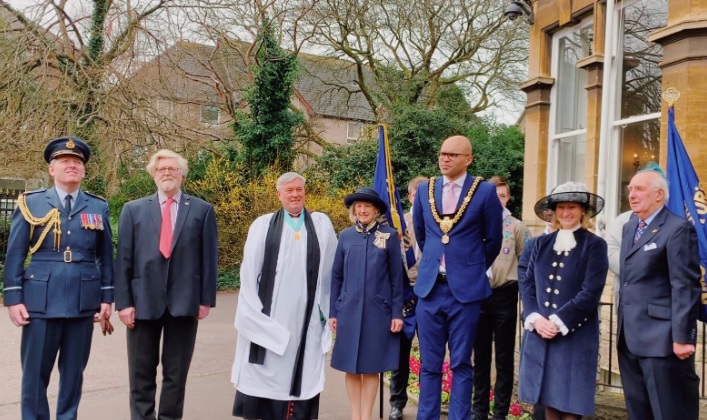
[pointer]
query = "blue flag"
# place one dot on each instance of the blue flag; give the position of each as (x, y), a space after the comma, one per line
(384, 184)
(686, 195)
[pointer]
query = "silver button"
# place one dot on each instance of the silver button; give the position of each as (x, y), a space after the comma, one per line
(549, 289)
(559, 278)
(557, 292)
(551, 277)
(547, 304)
(554, 306)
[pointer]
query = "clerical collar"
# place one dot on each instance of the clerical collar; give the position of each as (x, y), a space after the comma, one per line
(294, 216)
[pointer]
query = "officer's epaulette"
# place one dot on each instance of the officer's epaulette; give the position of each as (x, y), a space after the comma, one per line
(34, 191)
(96, 196)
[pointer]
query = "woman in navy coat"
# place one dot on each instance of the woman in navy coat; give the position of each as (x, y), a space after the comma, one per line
(561, 292)
(366, 300)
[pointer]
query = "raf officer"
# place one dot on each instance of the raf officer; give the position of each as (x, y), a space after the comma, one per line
(68, 282)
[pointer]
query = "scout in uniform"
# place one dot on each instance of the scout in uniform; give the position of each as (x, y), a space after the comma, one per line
(67, 283)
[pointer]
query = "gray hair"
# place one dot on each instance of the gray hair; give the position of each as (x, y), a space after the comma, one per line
(167, 154)
(288, 177)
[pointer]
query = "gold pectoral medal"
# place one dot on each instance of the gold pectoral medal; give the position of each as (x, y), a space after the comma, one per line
(297, 236)
(446, 223)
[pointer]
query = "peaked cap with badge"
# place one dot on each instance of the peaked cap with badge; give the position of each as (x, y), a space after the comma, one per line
(67, 146)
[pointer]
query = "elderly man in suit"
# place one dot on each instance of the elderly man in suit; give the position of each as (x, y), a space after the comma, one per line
(658, 305)
(68, 282)
(166, 276)
(458, 226)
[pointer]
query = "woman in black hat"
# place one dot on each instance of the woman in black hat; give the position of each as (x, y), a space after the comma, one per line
(561, 291)
(366, 300)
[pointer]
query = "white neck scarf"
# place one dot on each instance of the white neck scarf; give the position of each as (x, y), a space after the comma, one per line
(565, 242)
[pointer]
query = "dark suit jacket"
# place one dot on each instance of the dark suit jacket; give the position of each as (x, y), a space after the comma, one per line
(474, 242)
(50, 287)
(149, 282)
(660, 285)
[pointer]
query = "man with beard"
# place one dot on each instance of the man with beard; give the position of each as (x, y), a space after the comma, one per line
(283, 307)
(166, 276)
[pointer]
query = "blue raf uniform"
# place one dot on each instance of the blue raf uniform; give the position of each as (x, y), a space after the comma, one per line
(69, 275)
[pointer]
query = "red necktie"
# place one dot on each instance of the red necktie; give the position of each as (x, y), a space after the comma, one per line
(166, 229)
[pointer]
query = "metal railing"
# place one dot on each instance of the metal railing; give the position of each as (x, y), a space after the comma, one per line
(606, 375)
(701, 347)
(8, 202)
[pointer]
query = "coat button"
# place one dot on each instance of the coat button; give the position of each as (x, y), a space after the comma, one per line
(625, 283)
(549, 289)
(547, 304)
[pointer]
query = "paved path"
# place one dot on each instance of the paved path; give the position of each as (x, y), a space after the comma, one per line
(209, 393)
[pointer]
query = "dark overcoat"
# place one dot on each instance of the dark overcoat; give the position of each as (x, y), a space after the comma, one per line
(561, 372)
(366, 294)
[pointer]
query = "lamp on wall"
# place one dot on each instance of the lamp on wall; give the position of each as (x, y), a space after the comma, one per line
(520, 8)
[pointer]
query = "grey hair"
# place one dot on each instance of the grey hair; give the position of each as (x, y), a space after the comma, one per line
(288, 177)
(167, 154)
(412, 185)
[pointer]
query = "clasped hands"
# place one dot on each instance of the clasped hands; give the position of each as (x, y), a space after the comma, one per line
(546, 328)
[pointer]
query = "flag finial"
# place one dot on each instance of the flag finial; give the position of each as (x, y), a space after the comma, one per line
(671, 95)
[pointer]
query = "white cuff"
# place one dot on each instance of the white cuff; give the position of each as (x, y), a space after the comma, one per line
(530, 320)
(561, 325)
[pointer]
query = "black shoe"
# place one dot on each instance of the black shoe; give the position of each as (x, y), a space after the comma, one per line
(395, 413)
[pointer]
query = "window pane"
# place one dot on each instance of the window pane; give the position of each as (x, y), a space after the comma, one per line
(572, 81)
(640, 145)
(571, 153)
(354, 131)
(641, 84)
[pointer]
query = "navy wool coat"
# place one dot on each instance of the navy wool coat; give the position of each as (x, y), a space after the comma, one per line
(561, 372)
(366, 294)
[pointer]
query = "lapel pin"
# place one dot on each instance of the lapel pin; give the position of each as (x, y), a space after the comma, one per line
(654, 231)
(186, 203)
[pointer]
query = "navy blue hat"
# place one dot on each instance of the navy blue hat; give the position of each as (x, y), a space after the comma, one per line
(67, 146)
(368, 195)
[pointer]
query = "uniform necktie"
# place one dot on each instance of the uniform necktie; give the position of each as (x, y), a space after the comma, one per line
(166, 229)
(641, 227)
(449, 202)
(67, 205)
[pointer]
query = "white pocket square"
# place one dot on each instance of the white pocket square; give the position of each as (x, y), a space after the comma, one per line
(648, 247)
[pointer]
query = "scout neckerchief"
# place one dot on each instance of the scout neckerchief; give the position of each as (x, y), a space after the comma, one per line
(447, 223)
(267, 284)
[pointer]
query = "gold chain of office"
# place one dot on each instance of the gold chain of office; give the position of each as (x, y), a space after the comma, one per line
(51, 219)
(447, 223)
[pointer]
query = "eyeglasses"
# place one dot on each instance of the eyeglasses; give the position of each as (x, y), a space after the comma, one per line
(167, 169)
(450, 156)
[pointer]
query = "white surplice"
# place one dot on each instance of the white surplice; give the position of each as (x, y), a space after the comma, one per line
(280, 332)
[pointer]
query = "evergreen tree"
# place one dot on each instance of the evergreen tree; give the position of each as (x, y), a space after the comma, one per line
(266, 131)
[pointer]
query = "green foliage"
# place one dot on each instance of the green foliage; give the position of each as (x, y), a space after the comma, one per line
(238, 201)
(266, 132)
(415, 137)
(498, 150)
(229, 280)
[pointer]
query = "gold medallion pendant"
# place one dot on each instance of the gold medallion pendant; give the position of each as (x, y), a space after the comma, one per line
(446, 223)
(297, 236)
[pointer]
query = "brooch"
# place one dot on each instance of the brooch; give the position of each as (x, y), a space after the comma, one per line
(381, 239)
